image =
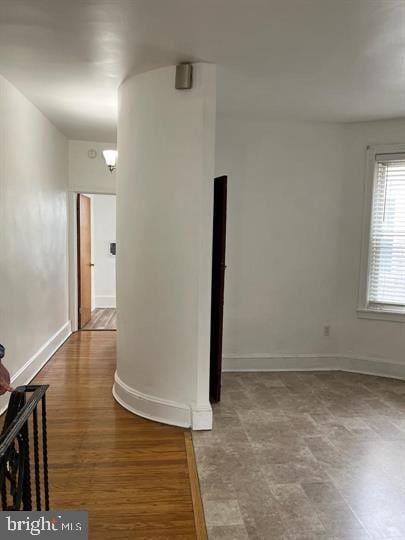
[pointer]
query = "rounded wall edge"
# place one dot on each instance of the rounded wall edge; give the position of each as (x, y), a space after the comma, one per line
(160, 410)
(172, 355)
(151, 407)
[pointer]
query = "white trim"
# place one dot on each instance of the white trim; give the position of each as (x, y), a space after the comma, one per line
(279, 362)
(72, 256)
(364, 311)
(151, 407)
(380, 315)
(34, 364)
(394, 148)
(366, 221)
(366, 365)
(201, 418)
(105, 302)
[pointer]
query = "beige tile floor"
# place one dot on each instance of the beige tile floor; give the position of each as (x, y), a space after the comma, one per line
(305, 456)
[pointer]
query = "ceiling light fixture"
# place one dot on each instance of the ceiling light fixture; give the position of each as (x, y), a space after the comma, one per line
(110, 157)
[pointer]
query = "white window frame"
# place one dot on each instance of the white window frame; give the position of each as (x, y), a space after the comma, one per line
(365, 311)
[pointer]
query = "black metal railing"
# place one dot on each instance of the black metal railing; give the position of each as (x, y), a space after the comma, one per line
(24, 451)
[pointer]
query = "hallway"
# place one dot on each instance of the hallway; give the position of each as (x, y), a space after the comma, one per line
(129, 473)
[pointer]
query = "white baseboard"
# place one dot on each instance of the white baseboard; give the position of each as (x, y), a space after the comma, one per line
(280, 362)
(105, 302)
(315, 362)
(201, 418)
(161, 410)
(372, 366)
(151, 407)
(34, 364)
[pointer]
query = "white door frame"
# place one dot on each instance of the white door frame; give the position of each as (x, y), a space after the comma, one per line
(72, 254)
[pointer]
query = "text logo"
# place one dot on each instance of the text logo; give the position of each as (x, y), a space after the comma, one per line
(67, 524)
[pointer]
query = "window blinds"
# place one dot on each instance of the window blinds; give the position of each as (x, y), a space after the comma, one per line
(386, 279)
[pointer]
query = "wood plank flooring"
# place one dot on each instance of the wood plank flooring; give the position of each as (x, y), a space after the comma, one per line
(102, 319)
(131, 474)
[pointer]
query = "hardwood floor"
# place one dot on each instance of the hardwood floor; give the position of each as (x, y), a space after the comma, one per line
(102, 319)
(130, 474)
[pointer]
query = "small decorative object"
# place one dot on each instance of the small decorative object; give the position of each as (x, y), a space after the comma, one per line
(92, 153)
(110, 157)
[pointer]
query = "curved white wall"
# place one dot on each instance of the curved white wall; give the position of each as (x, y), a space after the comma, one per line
(164, 235)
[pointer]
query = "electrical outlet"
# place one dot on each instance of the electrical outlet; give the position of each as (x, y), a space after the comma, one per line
(326, 330)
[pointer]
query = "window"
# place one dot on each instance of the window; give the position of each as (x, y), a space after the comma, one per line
(383, 294)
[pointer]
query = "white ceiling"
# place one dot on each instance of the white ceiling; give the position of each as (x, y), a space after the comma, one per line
(329, 60)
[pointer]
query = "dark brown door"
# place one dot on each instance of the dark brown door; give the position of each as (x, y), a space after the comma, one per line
(84, 256)
(217, 287)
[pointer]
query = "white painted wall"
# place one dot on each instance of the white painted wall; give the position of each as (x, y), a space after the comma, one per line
(103, 233)
(164, 234)
(295, 205)
(33, 235)
(88, 175)
(362, 337)
(293, 246)
(283, 208)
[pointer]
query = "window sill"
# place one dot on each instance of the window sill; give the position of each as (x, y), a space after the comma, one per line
(381, 315)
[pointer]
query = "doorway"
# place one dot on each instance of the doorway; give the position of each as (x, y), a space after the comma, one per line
(96, 250)
(217, 285)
